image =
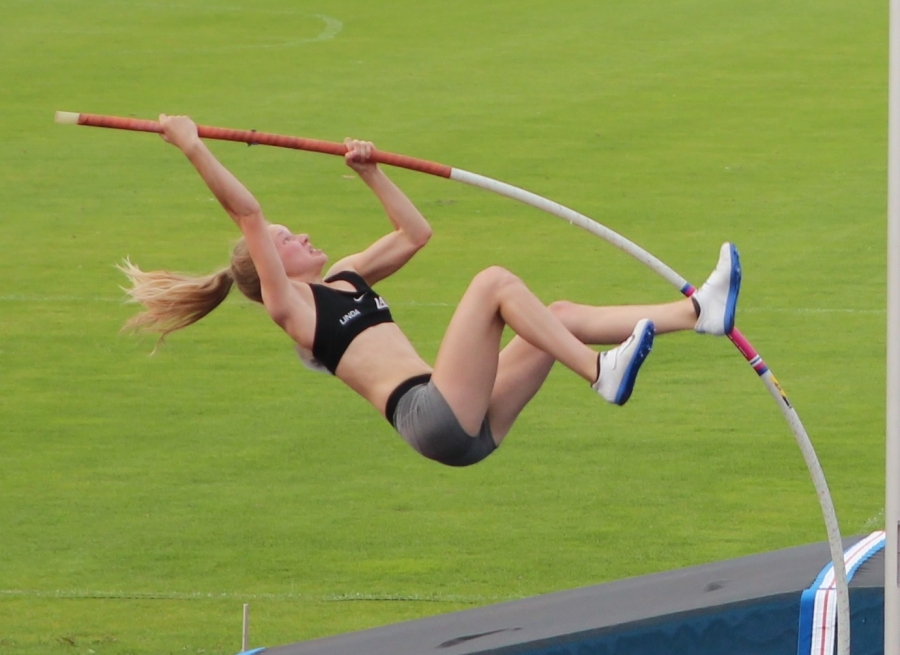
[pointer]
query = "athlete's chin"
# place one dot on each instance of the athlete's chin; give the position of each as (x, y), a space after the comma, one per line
(314, 264)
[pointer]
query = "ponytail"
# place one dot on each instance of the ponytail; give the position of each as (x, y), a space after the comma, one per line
(173, 301)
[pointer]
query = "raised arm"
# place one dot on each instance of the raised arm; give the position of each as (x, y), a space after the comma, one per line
(239, 203)
(411, 231)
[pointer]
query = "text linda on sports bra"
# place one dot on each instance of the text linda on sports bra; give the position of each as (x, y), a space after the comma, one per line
(349, 316)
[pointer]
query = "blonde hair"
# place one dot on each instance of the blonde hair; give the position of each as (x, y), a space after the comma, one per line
(173, 301)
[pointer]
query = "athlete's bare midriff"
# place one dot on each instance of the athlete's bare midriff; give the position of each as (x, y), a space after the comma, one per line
(377, 361)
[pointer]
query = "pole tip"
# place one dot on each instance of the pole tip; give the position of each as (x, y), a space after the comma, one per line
(67, 117)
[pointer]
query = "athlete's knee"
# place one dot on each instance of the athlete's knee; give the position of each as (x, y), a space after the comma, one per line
(564, 310)
(495, 277)
(494, 286)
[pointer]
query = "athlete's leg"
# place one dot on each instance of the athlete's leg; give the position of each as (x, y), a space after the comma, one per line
(522, 367)
(466, 366)
(521, 372)
(602, 326)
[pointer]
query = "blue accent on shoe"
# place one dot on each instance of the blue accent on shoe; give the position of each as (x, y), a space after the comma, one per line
(734, 289)
(255, 651)
(644, 346)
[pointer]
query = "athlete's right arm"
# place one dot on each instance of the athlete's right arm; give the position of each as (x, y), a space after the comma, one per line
(279, 296)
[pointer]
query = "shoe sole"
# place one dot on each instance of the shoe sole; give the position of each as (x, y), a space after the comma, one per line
(734, 288)
(644, 346)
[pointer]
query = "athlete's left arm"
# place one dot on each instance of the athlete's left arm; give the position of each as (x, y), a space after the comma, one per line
(411, 231)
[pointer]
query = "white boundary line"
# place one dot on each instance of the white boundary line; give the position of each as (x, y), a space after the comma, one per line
(95, 594)
(24, 298)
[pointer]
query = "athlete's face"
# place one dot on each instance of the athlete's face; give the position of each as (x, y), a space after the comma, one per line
(296, 252)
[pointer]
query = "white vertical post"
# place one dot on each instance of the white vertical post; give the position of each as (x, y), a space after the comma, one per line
(245, 632)
(892, 450)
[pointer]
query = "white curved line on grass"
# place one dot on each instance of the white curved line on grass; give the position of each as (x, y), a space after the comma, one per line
(332, 28)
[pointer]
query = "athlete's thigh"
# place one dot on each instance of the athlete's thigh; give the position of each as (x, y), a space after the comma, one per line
(466, 364)
(521, 370)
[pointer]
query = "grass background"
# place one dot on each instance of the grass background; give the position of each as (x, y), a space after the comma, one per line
(144, 499)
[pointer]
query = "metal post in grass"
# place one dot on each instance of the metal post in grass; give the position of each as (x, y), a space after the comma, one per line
(245, 629)
(753, 358)
(892, 449)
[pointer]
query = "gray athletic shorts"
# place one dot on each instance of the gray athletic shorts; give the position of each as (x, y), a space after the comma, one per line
(421, 415)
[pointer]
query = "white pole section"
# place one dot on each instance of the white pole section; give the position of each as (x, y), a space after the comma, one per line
(746, 349)
(892, 449)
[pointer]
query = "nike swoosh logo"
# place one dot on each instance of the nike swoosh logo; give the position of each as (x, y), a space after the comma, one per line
(360, 299)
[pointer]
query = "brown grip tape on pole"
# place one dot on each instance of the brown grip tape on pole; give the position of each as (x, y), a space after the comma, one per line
(253, 137)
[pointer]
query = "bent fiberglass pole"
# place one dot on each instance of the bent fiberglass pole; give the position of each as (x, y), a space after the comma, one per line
(252, 137)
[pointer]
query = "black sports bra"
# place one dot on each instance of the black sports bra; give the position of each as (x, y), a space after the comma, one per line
(341, 316)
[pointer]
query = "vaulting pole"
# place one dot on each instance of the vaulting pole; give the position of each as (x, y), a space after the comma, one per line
(252, 137)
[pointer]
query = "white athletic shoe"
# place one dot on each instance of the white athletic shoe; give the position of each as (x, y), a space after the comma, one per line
(717, 298)
(619, 367)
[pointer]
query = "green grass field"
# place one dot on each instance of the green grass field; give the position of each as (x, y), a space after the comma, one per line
(145, 499)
